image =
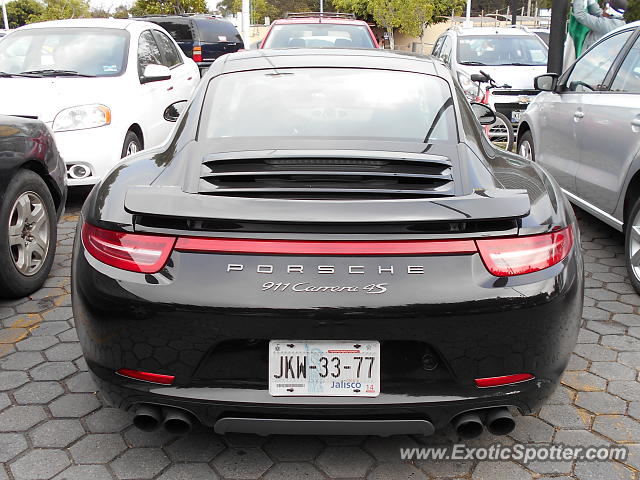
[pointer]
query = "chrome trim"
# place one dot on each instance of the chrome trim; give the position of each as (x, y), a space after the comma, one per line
(595, 211)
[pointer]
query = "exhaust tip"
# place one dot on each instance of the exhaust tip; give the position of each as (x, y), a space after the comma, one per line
(499, 421)
(468, 426)
(176, 421)
(147, 418)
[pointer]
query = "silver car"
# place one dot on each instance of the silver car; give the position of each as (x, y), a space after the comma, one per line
(585, 130)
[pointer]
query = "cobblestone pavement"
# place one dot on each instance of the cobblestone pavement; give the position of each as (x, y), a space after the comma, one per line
(53, 425)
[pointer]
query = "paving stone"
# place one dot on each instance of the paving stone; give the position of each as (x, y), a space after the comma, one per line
(605, 328)
(12, 379)
(56, 433)
(550, 466)
(40, 464)
(243, 440)
(21, 361)
(38, 393)
(500, 471)
(445, 468)
(36, 344)
(577, 363)
(11, 444)
(20, 418)
(291, 448)
(196, 447)
(612, 371)
(634, 331)
(137, 438)
(387, 449)
(602, 470)
(617, 427)
(596, 353)
(85, 472)
(4, 401)
(633, 457)
(81, 383)
(242, 463)
(599, 294)
(69, 336)
(140, 463)
(563, 416)
(587, 336)
(108, 420)
(621, 342)
(615, 307)
(394, 471)
(631, 359)
(343, 440)
(593, 313)
(532, 430)
(634, 410)
(74, 405)
(64, 351)
(50, 328)
(629, 390)
(192, 471)
(583, 381)
(60, 313)
(601, 402)
(344, 462)
(630, 320)
(297, 471)
(52, 371)
(97, 448)
(561, 396)
(579, 438)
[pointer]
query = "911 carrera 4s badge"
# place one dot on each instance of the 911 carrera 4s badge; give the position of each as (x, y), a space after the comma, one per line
(307, 287)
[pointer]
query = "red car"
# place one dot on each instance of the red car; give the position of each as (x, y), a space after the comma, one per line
(319, 30)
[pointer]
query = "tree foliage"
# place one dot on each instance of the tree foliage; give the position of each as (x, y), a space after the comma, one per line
(121, 11)
(272, 8)
(62, 9)
(633, 11)
(154, 7)
(21, 12)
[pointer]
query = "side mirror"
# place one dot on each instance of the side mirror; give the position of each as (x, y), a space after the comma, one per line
(483, 113)
(546, 83)
(479, 77)
(155, 73)
(173, 111)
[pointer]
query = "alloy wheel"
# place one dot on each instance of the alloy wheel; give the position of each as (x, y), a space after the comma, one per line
(525, 150)
(29, 231)
(634, 246)
(132, 148)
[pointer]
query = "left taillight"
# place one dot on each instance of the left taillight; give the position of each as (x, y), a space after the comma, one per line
(506, 257)
(128, 251)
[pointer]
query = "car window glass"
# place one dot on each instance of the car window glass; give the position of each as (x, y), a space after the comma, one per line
(212, 31)
(628, 77)
(436, 48)
(445, 53)
(590, 70)
(171, 55)
(148, 52)
(179, 29)
(319, 36)
(518, 50)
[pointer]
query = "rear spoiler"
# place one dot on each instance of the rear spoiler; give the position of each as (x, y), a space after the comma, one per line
(174, 202)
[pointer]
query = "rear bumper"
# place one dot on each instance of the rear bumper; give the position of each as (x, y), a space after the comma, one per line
(476, 325)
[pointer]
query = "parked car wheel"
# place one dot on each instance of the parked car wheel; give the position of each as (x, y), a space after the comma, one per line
(632, 246)
(132, 144)
(27, 235)
(525, 146)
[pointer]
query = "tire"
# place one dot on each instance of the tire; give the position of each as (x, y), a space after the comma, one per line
(501, 133)
(632, 245)
(131, 145)
(27, 249)
(525, 146)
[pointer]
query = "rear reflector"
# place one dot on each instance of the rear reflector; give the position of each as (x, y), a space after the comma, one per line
(506, 380)
(146, 376)
(505, 257)
(301, 247)
(128, 251)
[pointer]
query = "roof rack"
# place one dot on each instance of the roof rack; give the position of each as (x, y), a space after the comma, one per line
(319, 15)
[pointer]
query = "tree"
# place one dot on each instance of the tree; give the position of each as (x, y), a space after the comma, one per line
(153, 7)
(259, 10)
(414, 17)
(100, 12)
(360, 8)
(61, 9)
(121, 11)
(21, 12)
(633, 11)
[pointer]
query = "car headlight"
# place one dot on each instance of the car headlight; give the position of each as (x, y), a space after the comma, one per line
(81, 117)
(468, 86)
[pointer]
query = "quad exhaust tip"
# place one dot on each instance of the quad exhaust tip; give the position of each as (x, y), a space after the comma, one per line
(149, 418)
(498, 421)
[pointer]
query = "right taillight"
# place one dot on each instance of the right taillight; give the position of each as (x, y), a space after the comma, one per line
(506, 257)
(197, 54)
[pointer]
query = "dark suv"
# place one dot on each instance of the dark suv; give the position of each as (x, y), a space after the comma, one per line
(201, 37)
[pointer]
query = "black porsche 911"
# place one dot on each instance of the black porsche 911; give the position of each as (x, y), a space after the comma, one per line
(327, 244)
(33, 192)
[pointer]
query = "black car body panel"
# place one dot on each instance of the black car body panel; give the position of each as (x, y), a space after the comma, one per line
(206, 318)
(27, 143)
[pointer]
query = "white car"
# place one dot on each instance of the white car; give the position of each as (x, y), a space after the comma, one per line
(102, 86)
(510, 55)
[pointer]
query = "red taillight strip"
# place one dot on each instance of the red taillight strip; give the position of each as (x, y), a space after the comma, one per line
(505, 380)
(303, 247)
(146, 376)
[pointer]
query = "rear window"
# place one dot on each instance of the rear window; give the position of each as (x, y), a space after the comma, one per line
(179, 29)
(497, 50)
(329, 102)
(319, 36)
(213, 31)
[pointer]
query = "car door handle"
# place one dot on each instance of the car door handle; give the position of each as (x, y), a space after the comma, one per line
(578, 114)
(170, 88)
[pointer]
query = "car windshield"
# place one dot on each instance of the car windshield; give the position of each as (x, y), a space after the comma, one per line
(319, 36)
(501, 50)
(99, 52)
(330, 102)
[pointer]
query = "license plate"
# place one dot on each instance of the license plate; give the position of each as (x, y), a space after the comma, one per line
(324, 368)
(515, 116)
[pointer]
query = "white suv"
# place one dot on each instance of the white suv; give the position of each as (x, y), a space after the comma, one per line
(510, 55)
(102, 86)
